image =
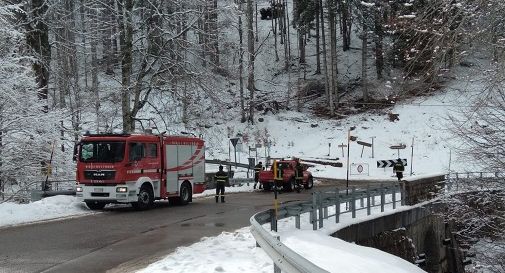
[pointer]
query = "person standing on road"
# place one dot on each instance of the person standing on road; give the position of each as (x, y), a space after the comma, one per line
(220, 178)
(257, 170)
(279, 177)
(398, 168)
(298, 176)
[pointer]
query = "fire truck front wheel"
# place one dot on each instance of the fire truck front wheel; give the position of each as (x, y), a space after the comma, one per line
(95, 205)
(145, 198)
(310, 183)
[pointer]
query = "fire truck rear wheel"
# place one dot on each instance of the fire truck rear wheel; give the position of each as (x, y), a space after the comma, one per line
(309, 184)
(93, 205)
(185, 194)
(145, 198)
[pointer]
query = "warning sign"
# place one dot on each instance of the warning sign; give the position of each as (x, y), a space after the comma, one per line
(359, 169)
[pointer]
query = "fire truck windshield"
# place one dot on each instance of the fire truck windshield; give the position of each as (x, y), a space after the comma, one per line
(101, 151)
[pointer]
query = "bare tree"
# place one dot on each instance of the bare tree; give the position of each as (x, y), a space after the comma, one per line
(251, 53)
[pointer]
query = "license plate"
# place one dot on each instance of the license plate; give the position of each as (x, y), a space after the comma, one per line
(98, 190)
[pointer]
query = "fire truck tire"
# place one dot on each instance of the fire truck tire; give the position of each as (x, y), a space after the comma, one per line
(94, 205)
(185, 194)
(145, 198)
(309, 184)
(267, 186)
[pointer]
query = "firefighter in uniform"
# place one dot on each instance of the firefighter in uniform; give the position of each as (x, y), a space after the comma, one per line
(220, 178)
(257, 170)
(298, 176)
(398, 168)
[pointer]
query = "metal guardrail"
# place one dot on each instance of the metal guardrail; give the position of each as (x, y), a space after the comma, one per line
(286, 259)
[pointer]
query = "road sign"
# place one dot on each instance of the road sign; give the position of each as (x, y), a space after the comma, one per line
(258, 145)
(359, 169)
(401, 146)
(364, 143)
(234, 141)
(389, 163)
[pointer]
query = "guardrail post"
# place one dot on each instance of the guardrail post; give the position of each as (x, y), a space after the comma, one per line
(273, 220)
(337, 205)
(353, 202)
(402, 192)
(320, 209)
(394, 196)
(297, 221)
(276, 268)
(368, 210)
(313, 212)
(361, 201)
(373, 199)
(383, 198)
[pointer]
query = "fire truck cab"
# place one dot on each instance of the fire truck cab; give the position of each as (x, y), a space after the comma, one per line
(138, 169)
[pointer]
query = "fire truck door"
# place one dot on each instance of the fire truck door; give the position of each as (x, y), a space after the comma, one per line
(171, 167)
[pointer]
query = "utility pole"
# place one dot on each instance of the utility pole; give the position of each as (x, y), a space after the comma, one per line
(372, 145)
(412, 156)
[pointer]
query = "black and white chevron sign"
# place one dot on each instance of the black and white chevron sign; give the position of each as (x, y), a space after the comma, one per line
(389, 163)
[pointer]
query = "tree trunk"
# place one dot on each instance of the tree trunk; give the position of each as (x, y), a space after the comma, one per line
(329, 95)
(241, 62)
(318, 50)
(38, 40)
(94, 63)
(364, 49)
(215, 34)
(378, 37)
(346, 24)
(82, 10)
(333, 51)
(250, 47)
(126, 44)
(107, 31)
(274, 31)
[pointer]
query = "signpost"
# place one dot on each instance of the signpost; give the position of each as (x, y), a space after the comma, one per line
(362, 143)
(234, 142)
(342, 146)
(349, 138)
(398, 148)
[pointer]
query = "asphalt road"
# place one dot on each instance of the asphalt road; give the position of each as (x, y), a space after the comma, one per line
(122, 239)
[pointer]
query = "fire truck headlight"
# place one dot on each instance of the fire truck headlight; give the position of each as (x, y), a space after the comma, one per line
(121, 189)
(78, 189)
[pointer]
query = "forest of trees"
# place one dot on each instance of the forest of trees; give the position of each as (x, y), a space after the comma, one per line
(69, 65)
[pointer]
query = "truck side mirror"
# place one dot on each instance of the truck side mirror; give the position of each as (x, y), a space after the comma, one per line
(76, 151)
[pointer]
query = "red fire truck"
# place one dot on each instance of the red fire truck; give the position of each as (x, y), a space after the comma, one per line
(138, 169)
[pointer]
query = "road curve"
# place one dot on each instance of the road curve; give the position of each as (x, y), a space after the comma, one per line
(123, 240)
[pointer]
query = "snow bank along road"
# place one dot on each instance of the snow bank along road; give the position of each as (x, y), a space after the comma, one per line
(121, 239)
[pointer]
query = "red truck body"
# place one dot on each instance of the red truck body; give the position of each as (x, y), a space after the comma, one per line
(267, 177)
(138, 169)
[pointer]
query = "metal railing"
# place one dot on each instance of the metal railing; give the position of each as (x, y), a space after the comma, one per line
(286, 259)
(470, 181)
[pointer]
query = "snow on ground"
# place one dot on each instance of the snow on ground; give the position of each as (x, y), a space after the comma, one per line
(236, 251)
(46, 209)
